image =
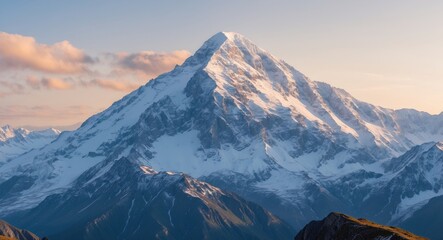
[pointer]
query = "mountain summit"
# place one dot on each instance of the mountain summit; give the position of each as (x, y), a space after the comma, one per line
(238, 117)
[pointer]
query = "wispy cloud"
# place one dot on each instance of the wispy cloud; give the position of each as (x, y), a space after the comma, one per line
(49, 83)
(32, 68)
(17, 113)
(53, 83)
(8, 88)
(150, 63)
(117, 85)
(22, 52)
(62, 66)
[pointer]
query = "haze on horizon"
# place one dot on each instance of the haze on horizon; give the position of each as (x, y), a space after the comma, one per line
(61, 62)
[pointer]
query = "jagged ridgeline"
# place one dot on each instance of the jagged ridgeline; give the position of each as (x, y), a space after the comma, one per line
(9, 232)
(16, 141)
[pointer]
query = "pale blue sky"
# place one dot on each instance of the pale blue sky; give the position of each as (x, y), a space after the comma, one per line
(389, 53)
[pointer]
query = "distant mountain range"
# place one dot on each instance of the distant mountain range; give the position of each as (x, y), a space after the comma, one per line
(244, 121)
(15, 141)
(134, 202)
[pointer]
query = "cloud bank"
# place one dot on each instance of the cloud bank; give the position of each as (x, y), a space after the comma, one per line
(21, 114)
(150, 62)
(49, 83)
(22, 52)
(117, 85)
(50, 77)
(62, 66)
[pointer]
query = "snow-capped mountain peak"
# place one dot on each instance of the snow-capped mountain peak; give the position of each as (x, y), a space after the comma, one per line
(231, 111)
(6, 132)
(410, 181)
(15, 141)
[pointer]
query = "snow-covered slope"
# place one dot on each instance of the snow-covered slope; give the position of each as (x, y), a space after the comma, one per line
(238, 117)
(136, 202)
(414, 178)
(14, 142)
(399, 194)
(427, 220)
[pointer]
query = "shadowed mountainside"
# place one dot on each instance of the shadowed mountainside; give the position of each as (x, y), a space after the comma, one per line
(133, 202)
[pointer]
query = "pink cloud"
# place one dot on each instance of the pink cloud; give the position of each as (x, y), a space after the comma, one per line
(150, 63)
(65, 84)
(61, 66)
(33, 82)
(45, 115)
(22, 52)
(16, 113)
(8, 88)
(49, 83)
(117, 85)
(56, 83)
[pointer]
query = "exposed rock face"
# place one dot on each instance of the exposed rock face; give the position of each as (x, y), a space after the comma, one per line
(132, 202)
(9, 232)
(337, 226)
(412, 179)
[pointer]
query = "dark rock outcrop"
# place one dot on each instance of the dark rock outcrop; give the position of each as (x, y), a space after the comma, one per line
(342, 227)
(9, 232)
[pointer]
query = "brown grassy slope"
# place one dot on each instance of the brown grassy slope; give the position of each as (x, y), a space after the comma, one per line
(6, 238)
(343, 227)
(395, 230)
